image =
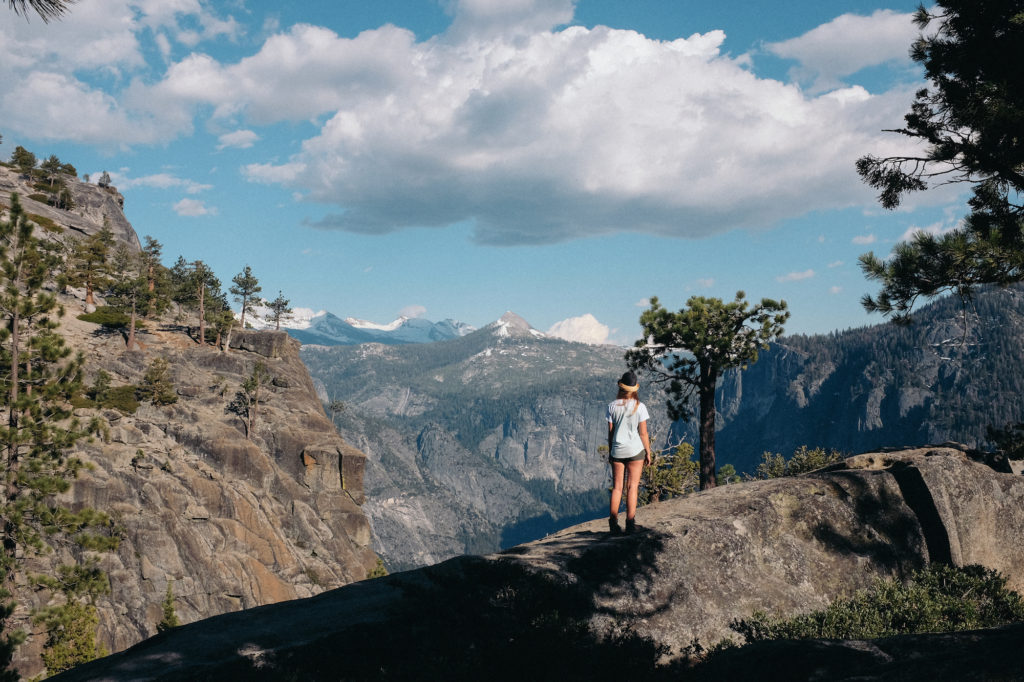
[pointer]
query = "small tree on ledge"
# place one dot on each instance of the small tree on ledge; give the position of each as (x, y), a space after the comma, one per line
(687, 352)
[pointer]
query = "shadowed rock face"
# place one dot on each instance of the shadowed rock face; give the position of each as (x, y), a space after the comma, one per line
(783, 546)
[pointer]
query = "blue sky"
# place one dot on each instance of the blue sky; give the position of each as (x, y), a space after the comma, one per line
(460, 158)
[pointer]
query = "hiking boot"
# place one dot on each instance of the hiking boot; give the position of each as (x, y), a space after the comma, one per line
(613, 526)
(630, 525)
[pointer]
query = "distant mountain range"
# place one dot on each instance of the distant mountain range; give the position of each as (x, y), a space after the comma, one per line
(326, 329)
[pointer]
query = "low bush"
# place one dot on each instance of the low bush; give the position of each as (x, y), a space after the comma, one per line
(940, 598)
(44, 222)
(108, 317)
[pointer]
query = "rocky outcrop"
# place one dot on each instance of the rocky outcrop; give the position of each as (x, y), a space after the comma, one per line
(783, 546)
(93, 206)
(231, 522)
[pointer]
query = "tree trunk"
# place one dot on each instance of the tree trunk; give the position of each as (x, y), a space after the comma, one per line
(707, 429)
(202, 316)
(131, 328)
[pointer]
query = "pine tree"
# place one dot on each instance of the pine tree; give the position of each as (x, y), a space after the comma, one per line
(46, 9)
(151, 252)
(687, 352)
(157, 387)
(245, 288)
(278, 309)
(51, 168)
(203, 280)
(248, 400)
(128, 291)
(23, 160)
(90, 266)
(170, 617)
(969, 121)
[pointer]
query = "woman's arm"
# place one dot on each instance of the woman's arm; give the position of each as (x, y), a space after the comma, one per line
(642, 430)
(611, 432)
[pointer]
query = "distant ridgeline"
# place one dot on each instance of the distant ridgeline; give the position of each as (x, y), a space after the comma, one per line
(880, 386)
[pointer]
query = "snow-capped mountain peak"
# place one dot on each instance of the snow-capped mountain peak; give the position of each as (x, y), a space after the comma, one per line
(511, 325)
(366, 324)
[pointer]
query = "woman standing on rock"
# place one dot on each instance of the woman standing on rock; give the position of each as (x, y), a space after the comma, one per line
(629, 448)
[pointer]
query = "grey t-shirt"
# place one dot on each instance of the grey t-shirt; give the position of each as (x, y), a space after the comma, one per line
(625, 421)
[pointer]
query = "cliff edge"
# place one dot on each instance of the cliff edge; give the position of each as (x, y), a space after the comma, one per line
(784, 546)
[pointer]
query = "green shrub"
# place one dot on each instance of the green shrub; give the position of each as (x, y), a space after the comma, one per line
(108, 317)
(121, 398)
(44, 222)
(41, 198)
(804, 459)
(378, 571)
(71, 636)
(156, 386)
(939, 598)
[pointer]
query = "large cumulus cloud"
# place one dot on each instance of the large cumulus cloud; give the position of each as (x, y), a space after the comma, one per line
(559, 134)
(527, 128)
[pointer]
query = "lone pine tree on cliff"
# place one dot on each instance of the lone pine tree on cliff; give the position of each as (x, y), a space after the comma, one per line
(278, 309)
(687, 352)
(970, 123)
(245, 288)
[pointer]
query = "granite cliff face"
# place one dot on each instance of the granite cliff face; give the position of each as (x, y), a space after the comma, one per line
(784, 546)
(233, 522)
(228, 521)
(92, 206)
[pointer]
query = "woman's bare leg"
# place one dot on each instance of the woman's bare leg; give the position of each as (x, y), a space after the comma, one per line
(618, 473)
(636, 470)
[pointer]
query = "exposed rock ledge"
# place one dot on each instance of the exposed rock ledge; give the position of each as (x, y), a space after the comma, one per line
(785, 546)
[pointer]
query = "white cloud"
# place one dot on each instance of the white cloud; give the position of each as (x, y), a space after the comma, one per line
(935, 229)
(795, 276)
(835, 290)
(706, 282)
(412, 311)
(159, 181)
(864, 239)
(59, 68)
(835, 264)
(239, 139)
(193, 208)
(547, 137)
(583, 329)
(846, 45)
(643, 303)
